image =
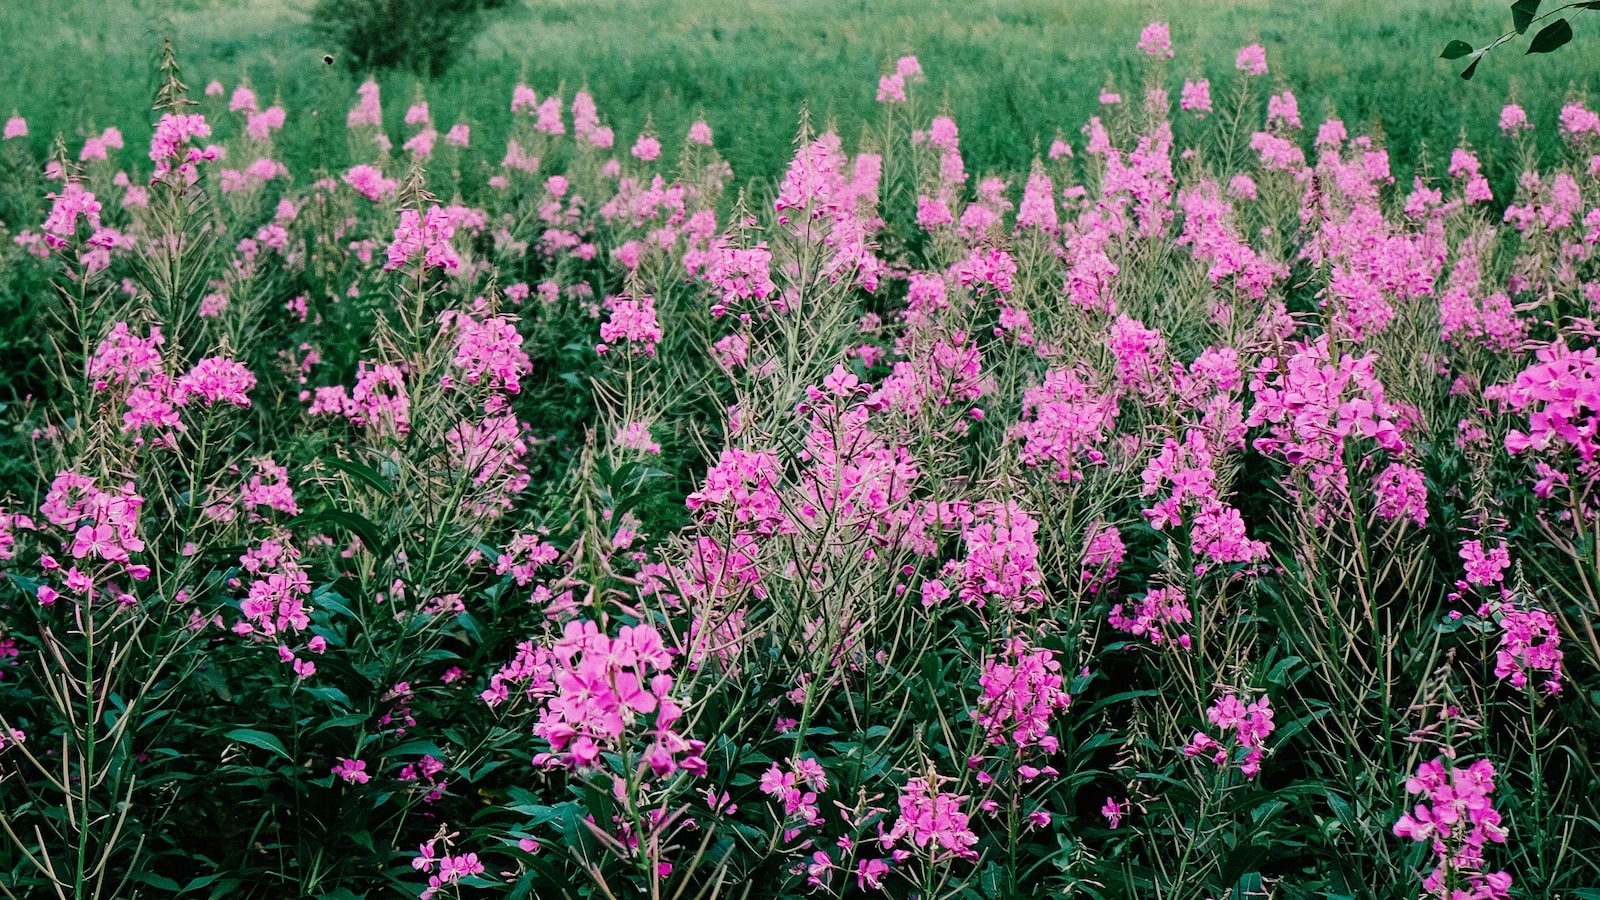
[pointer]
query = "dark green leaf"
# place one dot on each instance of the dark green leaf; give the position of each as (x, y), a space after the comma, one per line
(160, 882)
(363, 472)
(419, 747)
(344, 721)
(358, 525)
(1471, 70)
(1456, 50)
(1551, 36)
(327, 693)
(258, 739)
(1523, 13)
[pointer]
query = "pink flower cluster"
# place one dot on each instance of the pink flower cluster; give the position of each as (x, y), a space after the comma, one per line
(1103, 553)
(1002, 560)
(1021, 688)
(369, 182)
(892, 87)
(1156, 40)
(104, 524)
(933, 821)
(632, 320)
(1064, 422)
(1251, 723)
(275, 603)
(796, 788)
(133, 364)
(427, 234)
(1457, 819)
(1156, 616)
(368, 111)
(451, 869)
(1312, 408)
(352, 771)
(1560, 395)
(379, 399)
(490, 450)
(1217, 530)
(601, 691)
(489, 352)
(173, 142)
(1529, 643)
(61, 225)
(742, 488)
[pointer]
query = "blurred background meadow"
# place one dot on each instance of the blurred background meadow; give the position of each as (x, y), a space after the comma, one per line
(1013, 73)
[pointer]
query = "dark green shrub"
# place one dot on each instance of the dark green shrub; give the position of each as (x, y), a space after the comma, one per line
(421, 36)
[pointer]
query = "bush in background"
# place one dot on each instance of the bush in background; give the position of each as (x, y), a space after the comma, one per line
(421, 36)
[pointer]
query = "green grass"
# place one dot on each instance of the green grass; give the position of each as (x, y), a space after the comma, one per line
(1012, 72)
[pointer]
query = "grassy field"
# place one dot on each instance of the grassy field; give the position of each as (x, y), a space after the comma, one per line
(1011, 72)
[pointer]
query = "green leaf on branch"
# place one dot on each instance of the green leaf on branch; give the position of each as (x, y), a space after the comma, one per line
(1551, 36)
(259, 739)
(1471, 70)
(363, 472)
(1523, 13)
(358, 525)
(1456, 50)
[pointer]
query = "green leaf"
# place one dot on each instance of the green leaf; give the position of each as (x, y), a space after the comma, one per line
(1456, 50)
(259, 739)
(358, 525)
(1551, 36)
(1471, 70)
(420, 747)
(1523, 13)
(327, 693)
(344, 721)
(363, 472)
(161, 882)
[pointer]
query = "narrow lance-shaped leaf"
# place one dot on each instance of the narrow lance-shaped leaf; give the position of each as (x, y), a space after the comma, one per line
(1456, 50)
(1523, 13)
(1471, 70)
(1551, 36)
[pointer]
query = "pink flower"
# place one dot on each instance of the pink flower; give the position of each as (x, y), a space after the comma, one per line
(1114, 811)
(633, 321)
(16, 127)
(368, 111)
(1513, 119)
(1577, 121)
(426, 234)
(1252, 60)
(353, 771)
(218, 378)
(1284, 110)
(700, 133)
(523, 99)
(646, 148)
(1196, 98)
(370, 183)
(1485, 567)
(869, 874)
(933, 819)
(1156, 40)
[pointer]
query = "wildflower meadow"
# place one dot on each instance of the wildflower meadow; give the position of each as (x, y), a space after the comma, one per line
(544, 509)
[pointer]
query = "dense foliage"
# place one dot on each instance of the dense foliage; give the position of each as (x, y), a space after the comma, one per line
(1199, 513)
(422, 36)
